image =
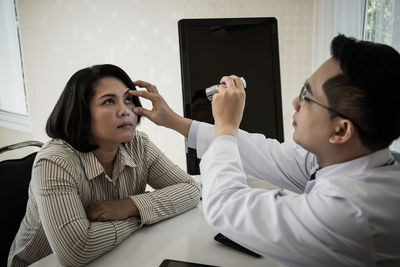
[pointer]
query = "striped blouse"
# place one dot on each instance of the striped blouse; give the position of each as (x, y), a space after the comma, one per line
(66, 182)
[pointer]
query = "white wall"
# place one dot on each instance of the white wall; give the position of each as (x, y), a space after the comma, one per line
(60, 37)
(8, 137)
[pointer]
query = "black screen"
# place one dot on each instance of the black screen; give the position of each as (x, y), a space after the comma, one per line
(247, 47)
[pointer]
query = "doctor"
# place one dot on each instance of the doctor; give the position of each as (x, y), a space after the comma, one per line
(347, 210)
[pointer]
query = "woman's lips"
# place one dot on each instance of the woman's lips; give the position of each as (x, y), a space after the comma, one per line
(125, 125)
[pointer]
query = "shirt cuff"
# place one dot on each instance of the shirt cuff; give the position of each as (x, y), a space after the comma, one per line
(192, 135)
(124, 228)
(145, 207)
(226, 137)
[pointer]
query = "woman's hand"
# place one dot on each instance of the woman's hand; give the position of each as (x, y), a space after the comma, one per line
(112, 210)
(228, 105)
(161, 113)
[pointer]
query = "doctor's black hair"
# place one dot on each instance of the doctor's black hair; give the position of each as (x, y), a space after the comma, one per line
(70, 119)
(368, 90)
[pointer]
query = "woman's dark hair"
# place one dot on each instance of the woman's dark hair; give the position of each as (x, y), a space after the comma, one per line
(368, 90)
(70, 119)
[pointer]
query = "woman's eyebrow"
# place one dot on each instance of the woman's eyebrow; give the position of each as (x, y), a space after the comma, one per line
(106, 95)
(113, 95)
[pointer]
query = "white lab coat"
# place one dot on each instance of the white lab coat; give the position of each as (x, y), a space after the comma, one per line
(348, 216)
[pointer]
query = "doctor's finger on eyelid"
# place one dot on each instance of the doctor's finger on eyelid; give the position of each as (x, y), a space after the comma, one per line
(144, 94)
(149, 87)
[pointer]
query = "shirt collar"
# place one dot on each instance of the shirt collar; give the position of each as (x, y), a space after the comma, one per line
(126, 158)
(359, 165)
(91, 165)
(93, 168)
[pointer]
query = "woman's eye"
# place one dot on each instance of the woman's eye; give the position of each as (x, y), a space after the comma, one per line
(109, 101)
(129, 99)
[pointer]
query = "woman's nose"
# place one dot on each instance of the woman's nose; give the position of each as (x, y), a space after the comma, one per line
(124, 110)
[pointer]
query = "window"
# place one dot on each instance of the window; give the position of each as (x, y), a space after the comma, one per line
(13, 102)
(382, 25)
(382, 22)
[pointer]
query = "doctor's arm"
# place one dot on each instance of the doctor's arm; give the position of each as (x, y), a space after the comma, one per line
(279, 164)
(161, 114)
(321, 228)
(285, 165)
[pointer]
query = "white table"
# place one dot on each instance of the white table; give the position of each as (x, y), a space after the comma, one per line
(186, 237)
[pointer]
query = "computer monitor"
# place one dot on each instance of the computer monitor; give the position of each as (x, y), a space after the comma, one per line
(247, 47)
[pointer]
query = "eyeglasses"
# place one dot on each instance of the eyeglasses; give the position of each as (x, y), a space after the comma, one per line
(303, 97)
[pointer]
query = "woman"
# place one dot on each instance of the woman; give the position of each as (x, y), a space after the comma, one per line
(87, 192)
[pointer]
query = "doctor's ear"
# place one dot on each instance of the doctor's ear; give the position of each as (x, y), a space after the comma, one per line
(343, 131)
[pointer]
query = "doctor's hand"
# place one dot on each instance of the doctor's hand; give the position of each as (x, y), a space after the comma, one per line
(161, 113)
(228, 105)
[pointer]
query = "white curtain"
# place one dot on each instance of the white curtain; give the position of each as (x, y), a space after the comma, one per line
(333, 17)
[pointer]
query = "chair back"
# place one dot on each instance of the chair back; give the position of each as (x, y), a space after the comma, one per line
(15, 175)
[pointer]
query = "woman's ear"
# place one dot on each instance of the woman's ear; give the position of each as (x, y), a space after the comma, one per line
(343, 131)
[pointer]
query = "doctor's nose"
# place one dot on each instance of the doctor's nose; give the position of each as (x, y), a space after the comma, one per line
(296, 104)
